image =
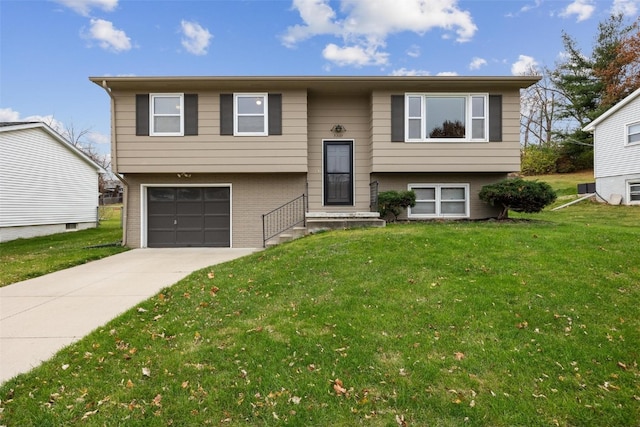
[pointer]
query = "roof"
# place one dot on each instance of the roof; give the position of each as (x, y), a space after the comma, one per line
(17, 126)
(325, 84)
(611, 111)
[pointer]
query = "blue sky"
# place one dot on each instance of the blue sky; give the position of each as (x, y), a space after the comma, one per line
(49, 48)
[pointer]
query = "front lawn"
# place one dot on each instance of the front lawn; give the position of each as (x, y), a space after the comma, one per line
(24, 259)
(532, 321)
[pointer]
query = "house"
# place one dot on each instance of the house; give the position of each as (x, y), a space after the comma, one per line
(208, 161)
(47, 185)
(616, 155)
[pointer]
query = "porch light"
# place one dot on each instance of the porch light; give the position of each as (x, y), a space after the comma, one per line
(338, 128)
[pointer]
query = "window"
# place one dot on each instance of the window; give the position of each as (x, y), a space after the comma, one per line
(634, 192)
(166, 115)
(444, 117)
(251, 118)
(440, 201)
(633, 133)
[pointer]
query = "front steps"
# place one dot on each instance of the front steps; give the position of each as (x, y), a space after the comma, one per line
(323, 221)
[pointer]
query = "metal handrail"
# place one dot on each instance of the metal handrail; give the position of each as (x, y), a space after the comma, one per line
(284, 218)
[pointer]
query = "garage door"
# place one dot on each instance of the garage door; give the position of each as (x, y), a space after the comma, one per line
(188, 216)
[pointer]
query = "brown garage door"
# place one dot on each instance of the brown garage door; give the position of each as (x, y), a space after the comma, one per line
(188, 216)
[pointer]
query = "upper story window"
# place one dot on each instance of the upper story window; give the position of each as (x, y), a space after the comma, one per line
(446, 117)
(251, 114)
(633, 133)
(166, 114)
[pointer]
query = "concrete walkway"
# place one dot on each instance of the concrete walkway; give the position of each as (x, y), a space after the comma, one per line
(40, 316)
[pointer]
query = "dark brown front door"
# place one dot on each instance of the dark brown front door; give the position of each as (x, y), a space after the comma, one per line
(338, 173)
(188, 216)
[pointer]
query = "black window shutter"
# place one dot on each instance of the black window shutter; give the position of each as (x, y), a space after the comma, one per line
(275, 114)
(142, 114)
(495, 118)
(397, 118)
(191, 114)
(226, 114)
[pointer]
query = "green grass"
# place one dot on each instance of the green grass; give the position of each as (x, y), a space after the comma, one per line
(27, 258)
(565, 184)
(533, 321)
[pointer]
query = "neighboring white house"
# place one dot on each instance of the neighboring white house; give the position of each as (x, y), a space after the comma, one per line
(47, 185)
(616, 136)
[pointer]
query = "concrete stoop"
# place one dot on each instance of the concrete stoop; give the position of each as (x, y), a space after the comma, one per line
(324, 221)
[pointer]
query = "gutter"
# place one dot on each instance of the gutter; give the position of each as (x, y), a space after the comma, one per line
(114, 156)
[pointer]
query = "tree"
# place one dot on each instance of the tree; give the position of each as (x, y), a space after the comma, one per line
(621, 74)
(539, 113)
(518, 195)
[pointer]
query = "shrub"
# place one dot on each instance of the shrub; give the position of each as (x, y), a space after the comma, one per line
(518, 195)
(537, 160)
(393, 202)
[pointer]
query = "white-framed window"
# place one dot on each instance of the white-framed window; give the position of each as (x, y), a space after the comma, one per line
(250, 114)
(166, 115)
(437, 117)
(634, 192)
(633, 133)
(440, 201)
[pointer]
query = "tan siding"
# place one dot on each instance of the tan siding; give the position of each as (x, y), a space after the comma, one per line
(252, 196)
(354, 114)
(477, 208)
(209, 151)
(446, 157)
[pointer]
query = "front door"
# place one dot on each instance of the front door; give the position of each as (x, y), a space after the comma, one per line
(338, 173)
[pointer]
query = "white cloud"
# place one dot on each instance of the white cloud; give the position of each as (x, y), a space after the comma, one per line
(625, 7)
(318, 19)
(109, 37)
(477, 63)
(8, 115)
(406, 72)
(447, 73)
(414, 51)
(583, 9)
(365, 25)
(525, 65)
(354, 55)
(83, 7)
(195, 38)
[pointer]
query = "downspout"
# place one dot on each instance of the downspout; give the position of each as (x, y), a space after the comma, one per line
(114, 156)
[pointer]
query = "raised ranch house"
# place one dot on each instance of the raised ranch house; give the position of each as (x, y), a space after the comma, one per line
(616, 155)
(47, 185)
(205, 159)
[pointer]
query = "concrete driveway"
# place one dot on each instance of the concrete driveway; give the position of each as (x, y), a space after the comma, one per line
(40, 316)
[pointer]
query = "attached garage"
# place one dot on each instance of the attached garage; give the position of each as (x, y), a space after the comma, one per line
(188, 216)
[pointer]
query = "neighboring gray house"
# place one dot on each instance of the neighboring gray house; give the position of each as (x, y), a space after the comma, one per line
(616, 137)
(47, 185)
(205, 159)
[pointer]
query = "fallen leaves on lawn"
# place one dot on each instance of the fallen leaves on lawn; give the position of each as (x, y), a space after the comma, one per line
(338, 387)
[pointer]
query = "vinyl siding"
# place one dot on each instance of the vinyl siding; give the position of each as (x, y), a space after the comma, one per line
(353, 113)
(252, 195)
(503, 156)
(44, 183)
(612, 157)
(209, 152)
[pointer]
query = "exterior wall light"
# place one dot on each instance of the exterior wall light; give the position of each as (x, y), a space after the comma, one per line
(338, 128)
